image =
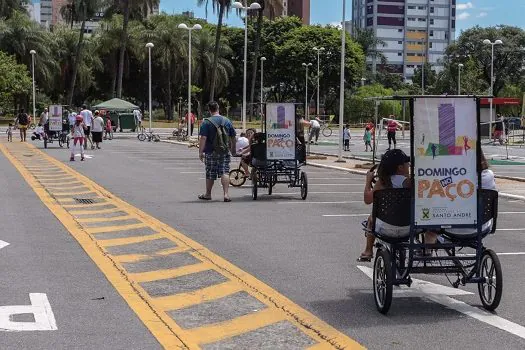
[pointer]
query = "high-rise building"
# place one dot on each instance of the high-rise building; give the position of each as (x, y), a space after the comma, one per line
(46, 12)
(33, 10)
(414, 31)
(298, 8)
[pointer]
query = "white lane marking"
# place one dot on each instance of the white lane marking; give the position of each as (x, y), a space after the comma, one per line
(511, 212)
(438, 294)
(511, 229)
(420, 286)
(335, 184)
(499, 254)
(40, 308)
(344, 215)
(306, 202)
(191, 172)
(87, 156)
(3, 244)
(330, 178)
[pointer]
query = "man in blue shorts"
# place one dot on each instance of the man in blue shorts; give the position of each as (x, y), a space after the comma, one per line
(217, 140)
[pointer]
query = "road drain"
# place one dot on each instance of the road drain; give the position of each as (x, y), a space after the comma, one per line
(85, 200)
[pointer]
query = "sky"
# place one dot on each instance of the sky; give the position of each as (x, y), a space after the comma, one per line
(469, 13)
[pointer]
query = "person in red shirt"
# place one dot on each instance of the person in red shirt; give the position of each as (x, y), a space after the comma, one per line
(192, 119)
(392, 126)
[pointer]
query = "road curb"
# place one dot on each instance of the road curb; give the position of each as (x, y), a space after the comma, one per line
(360, 172)
(519, 179)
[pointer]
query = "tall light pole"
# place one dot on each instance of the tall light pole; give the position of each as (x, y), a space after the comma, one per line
(459, 77)
(254, 6)
(306, 109)
(318, 64)
(342, 86)
(492, 44)
(189, 29)
(149, 46)
(33, 53)
(262, 83)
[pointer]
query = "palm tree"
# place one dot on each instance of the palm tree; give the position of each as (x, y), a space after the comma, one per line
(204, 47)
(69, 13)
(126, 6)
(370, 43)
(8, 7)
(222, 7)
(169, 51)
(273, 8)
(85, 9)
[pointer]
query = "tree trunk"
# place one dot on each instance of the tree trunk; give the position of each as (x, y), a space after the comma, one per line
(169, 99)
(123, 41)
(78, 58)
(257, 52)
(113, 74)
(216, 53)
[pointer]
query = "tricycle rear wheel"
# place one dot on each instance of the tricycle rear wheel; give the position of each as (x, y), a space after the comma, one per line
(383, 280)
(491, 290)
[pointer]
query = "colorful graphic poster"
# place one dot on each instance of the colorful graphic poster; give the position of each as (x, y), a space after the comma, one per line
(445, 136)
(280, 131)
(55, 118)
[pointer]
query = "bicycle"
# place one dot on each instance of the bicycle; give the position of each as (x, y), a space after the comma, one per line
(180, 134)
(326, 130)
(143, 135)
(238, 176)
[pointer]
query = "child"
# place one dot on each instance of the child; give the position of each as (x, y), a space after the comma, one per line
(9, 133)
(78, 135)
(39, 133)
(367, 138)
(346, 138)
(108, 128)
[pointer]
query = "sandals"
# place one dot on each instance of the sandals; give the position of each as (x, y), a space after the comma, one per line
(204, 197)
(365, 258)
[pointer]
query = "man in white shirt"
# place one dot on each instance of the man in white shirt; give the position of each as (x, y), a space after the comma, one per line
(316, 128)
(138, 118)
(88, 122)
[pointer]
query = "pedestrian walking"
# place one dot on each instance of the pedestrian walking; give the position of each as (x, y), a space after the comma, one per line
(498, 129)
(217, 140)
(315, 126)
(391, 132)
(367, 138)
(22, 121)
(88, 122)
(98, 128)
(72, 117)
(9, 133)
(191, 119)
(137, 115)
(79, 137)
(346, 138)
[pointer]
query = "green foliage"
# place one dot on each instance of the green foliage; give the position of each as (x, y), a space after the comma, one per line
(14, 80)
(360, 108)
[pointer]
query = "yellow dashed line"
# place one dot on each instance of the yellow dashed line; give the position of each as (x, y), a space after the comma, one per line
(152, 311)
(182, 300)
(76, 194)
(115, 218)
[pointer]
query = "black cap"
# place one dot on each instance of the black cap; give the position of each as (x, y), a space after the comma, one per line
(394, 157)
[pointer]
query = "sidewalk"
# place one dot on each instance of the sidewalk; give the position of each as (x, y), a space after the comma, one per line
(507, 187)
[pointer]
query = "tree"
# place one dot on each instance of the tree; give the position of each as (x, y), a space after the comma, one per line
(9, 7)
(509, 58)
(15, 80)
(370, 44)
(273, 7)
(222, 7)
(126, 6)
(429, 79)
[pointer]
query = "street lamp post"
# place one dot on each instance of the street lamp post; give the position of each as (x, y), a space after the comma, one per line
(459, 77)
(189, 29)
(492, 44)
(33, 53)
(262, 83)
(239, 6)
(342, 86)
(149, 46)
(318, 64)
(306, 109)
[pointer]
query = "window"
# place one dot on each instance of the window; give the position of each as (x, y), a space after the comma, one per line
(421, 19)
(431, 10)
(410, 66)
(411, 54)
(431, 33)
(421, 7)
(400, 54)
(446, 35)
(400, 30)
(400, 42)
(453, 23)
(411, 7)
(429, 45)
(432, 21)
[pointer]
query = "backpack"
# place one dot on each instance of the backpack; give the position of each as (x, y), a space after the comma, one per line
(23, 119)
(221, 142)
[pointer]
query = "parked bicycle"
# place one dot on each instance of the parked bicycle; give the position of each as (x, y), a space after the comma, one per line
(150, 135)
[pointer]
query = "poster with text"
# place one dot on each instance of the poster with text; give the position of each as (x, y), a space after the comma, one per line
(280, 131)
(445, 137)
(55, 118)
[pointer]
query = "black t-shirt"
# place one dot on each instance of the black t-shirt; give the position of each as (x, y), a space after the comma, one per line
(499, 125)
(23, 119)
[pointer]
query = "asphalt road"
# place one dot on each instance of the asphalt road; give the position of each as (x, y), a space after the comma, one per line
(287, 243)
(42, 257)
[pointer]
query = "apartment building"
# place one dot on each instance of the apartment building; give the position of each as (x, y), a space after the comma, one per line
(46, 12)
(414, 31)
(298, 8)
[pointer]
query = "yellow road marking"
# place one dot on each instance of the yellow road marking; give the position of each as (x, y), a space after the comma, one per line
(236, 326)
(69, 186)
(108, 229)
(93, 212)
(171, 273)
(115, 218)
(320, 346)
(164, 328)
(138, 257)
(179, 301)
(99, 204)
(59, 193)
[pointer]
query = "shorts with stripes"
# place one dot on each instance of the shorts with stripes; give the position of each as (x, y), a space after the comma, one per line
(217, 165)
